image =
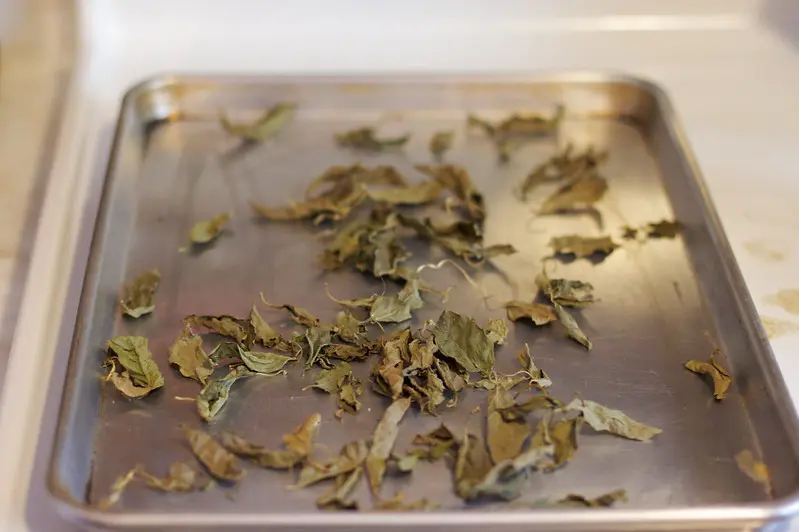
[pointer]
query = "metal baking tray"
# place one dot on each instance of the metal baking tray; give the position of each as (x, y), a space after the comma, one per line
(662, 303)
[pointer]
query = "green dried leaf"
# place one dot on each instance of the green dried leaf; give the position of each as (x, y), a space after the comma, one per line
(427, 389)
(205, 231)
(537, 377)
(603, 501)
(663, 229)
(351, 457)
(461, 339)
(317, 338)
(267, 364)
(395, 308)
(755, 469)
(224, 351)
(181, 478)
(266, 335)
(340, 382)
(421, 355)
(349, 328)
(300, 315)
(141, 374)
(504, 438)
(265, 127)
(220, 463)
(562, 434)
(365, 139)
(537, 313)
(319, 209)
(390, 370)
(721, 377)
(338, 178)
(398, 504)
(565, 292)
(563, 167)
(471, 465)
(441, 142)
(419, 194)
(346, 352)
(138, 297)
(512, 131)
(496, 330)
(340, 496)
(404, 464)
(187, 354)
(582, 246)
(436, 443)
(579, 194)
(224, 325)
(216, 393)
(572, 328)
(463, 239)
(499, 381)
(383, 442)
(299, 444)
(515, 412)
(457, 180)
(604, 419)
(451, 379)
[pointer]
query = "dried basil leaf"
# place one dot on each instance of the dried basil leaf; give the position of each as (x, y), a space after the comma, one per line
(508, 133)
(437, 443)
(224, 325)
(340, 497)
(663, 229)
(441, 142)
(216, 393)
(537, 377)
(418, 194)
(187, 354)
(346, 352)
(493, 382)
(562, 434)
(383, 442)
(181, 478)
(351, 457)
(518, 411)
(365, 139)
(266, 335)
(496, 330)
(205, 231)
(604, 419)
(461, 339)
(299, 444)
(300, 315)
(398, 504)
(340, 382)
(572, 328)
(337, 178)
(138, 296)
(220, 463)
(582, 246)
(405, 464)
(224, 351)
(267, 364)
(317, 338)
(507, 479)
(754, 469)
(349, 328)
(141, 374)
(579, 194)
(457, 180)
(265, 127)
(451, 379)
(471, 465)
(504, 438)
(721, 377)
(118, 487)
(537, 313)
(562, 167)
(566, 292)
(603, 501)
(422, 355)
(427, 389)
(398, 307)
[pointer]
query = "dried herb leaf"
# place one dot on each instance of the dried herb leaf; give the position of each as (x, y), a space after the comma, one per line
(436, 443)
(349, 328)
(441, 142)
(268, 364)
(504, 438)
(461, 339)
(754, 469)
(351, 457)
(572, 328)
(604, 419)
(582, 246)
(579, 194)
(181, 478)
(562, 434)
(496, 330)
(339, 381)
(471, 465)
(427, 389)
(320, 209)
(603, 501)
(383, 442)
(566, 292)
(421, 354)
(398, 504)
(223, 351)
(138, 296)
(205, 231)
(562, 167)
(537, 313)
(265, 127)
(118, 487)
(365, 139)
(451, 379)
(418, 194)
(341, 178)
(141, 374)
(499, 381)
(187, 354)
(457, 180)
(265, 334)
(317, 338)
(216, 393)
(340, 496)
(220, 463)
(537, 377)
(398, 307)
(518, 411)
(507, 479)
(509, 133)
(299, 444)
(663, 229)
(224, 325)
(300, 315)
(346, 352)
(721, 377)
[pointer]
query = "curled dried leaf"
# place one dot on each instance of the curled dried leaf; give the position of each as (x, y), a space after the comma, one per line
(605, 500)
(563, 166)
(181, 478)
(457, 180)
(267, 364)
(188, 355)
(561, 434)
(366, 139)
(441, 142)
(351, 457)
(383, 442)
(536, 312)
(220, 463)
(138, 297)
(299, 444)
(223, 324)
(205, 231)
(721, 377)
(572, 328)
(140, 374)
(399, 504)
(536, 376)
(333, 207)
(462, 340)
(340, 496)
(507, 478)
(496, 330)
(754, 469)
(263, 128)
(663, 229)
(264, 334)
(504, 437)
(582, 246)
(340, 382)
(419, 194)
(566, 292)
(604, 419)
(300, 315)
(215, 394)
(579, 194)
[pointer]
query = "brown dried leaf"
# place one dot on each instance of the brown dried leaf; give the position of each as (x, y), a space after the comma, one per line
(418, 194)
(441, 142)
(562, 167)
(572, 328)
(582, 246)
(220, 463)
(181, 478)
(457, 180)
(721, 377)
(138, 297)
(754, 469)
(351, 457)
(205, 231)
(603, 501)
(504, 438)
(566, 292)
(604, 419)
(398, 504)
(663, 229)
(537, 313)
(187, 354)
(579, 194)
(383, 440)
(366, 139)
(299, 444)
(340, 496)
(265, 127)
(223, 324)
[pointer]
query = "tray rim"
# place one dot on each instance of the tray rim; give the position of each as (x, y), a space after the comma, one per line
(685, 518)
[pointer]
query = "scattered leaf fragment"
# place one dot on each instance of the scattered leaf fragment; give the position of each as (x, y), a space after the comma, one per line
(188, 355)
(265, 127)
(383, 442)
(604, 419)
(420, 194)
(205, 231)
(605, 500)
(219, 462)
(582, 246)
(264, 334)
(507, 478)
(340, 496)
(340, 382)
(441, 142)
(562, 434)
(317, 337)
(504, 438)
(140, 374)
(117, 489)
(579, 194)
(181, 478)
(496, 330)
(457, 180)
(366, 139)
(224, 325)
(572, 328)
(461, 339)
(563, 166)
(268, 364)
(754, 469)
(663, 229)
(216, 392)
(138, 296)
(436, 443)
(352, 455)
(721, 377)
(537, 377)
(399, 504)
(538, 313)
(300, 315)
(566, 292)
(299, 444)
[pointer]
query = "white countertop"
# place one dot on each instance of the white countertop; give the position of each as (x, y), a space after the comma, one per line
(731, 68)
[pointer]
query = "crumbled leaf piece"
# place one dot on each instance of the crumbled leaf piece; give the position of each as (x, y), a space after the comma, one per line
(562, 434)
(471, 465)
(504, 438)
(224, 325)
(138, 296)
(537, 313)
(563, 167)
(336, 204)
(398, 504)
(140, 374)
(566, 292)
(437, 443)
(579, 194)
(422, 355)
(340, 496)
(317, 338)
(518, 411)
(507, 478)
(721, 377)
(493, 382)
(461, 339)
(603, 501)
(426, 389)
(457, 180)
(351, 457)
(462, 238)
(224, 351)
(300, 315)
(496, 330)
(268, 364)
(366, 139)
(349, 328)
(419, 194)
(340, 382)
(265, 127)
(509, 133)
(220, 463)
(118, 487)
(537, 377)
(604, 419)
(404, 464)
(337, 180)
(754, 469)
(441, 142)
(582, 246)
(205, 231)
(181, 478)
(264, 334)
(451, 379)
(299, 444)
(216, 393)
(398, 307)
(663, 229)
(572, 328)
(383, 442)
(187, 354)
(346, 352)
(629, 233)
